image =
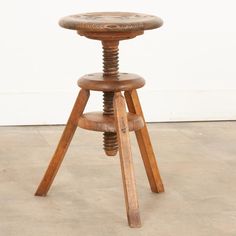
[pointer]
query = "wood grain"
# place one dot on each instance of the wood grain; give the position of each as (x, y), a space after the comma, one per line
(99, 82)
(110, 22)
(96, 121)
(64, 143)
(145, 145)
(126, 162)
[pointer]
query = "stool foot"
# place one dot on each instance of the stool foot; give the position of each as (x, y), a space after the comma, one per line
(126, 162)
(134, 220)
(64, 143)
(145, 145)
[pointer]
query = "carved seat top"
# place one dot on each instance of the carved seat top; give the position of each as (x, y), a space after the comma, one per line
(111, 22)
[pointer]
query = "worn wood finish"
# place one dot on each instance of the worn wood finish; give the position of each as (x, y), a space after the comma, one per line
(98, 82)
(110, 26)
(97, 121)
(111, 22)
(64, 143)
(127, 170)
(145, 145)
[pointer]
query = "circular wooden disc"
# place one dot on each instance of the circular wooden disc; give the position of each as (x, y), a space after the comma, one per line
(96, 121)
(111, 22)
(98, 82)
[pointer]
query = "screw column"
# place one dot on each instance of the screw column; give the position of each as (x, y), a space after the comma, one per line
(110, 72)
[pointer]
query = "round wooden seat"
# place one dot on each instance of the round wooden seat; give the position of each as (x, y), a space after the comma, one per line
(111, 25)
(110, 21)
(99, 82)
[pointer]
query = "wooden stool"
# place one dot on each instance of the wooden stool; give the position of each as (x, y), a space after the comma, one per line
(114, 121)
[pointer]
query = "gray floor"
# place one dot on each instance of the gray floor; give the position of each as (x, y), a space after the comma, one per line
(197, 162)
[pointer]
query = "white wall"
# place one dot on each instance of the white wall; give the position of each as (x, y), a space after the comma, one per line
(189, 64)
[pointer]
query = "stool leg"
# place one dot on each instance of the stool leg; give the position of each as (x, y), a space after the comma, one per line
(145, 145)
(126, 162)
(64, 143)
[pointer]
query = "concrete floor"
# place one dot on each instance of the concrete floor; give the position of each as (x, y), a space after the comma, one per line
(197, 163)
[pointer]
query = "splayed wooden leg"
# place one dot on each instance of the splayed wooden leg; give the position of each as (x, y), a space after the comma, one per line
(126, 162)
(64, 143)
(145, 145)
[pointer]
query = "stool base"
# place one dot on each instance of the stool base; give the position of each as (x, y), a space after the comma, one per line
(121, 124)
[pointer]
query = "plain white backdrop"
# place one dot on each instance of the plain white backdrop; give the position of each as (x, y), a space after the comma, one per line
(189, 64)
